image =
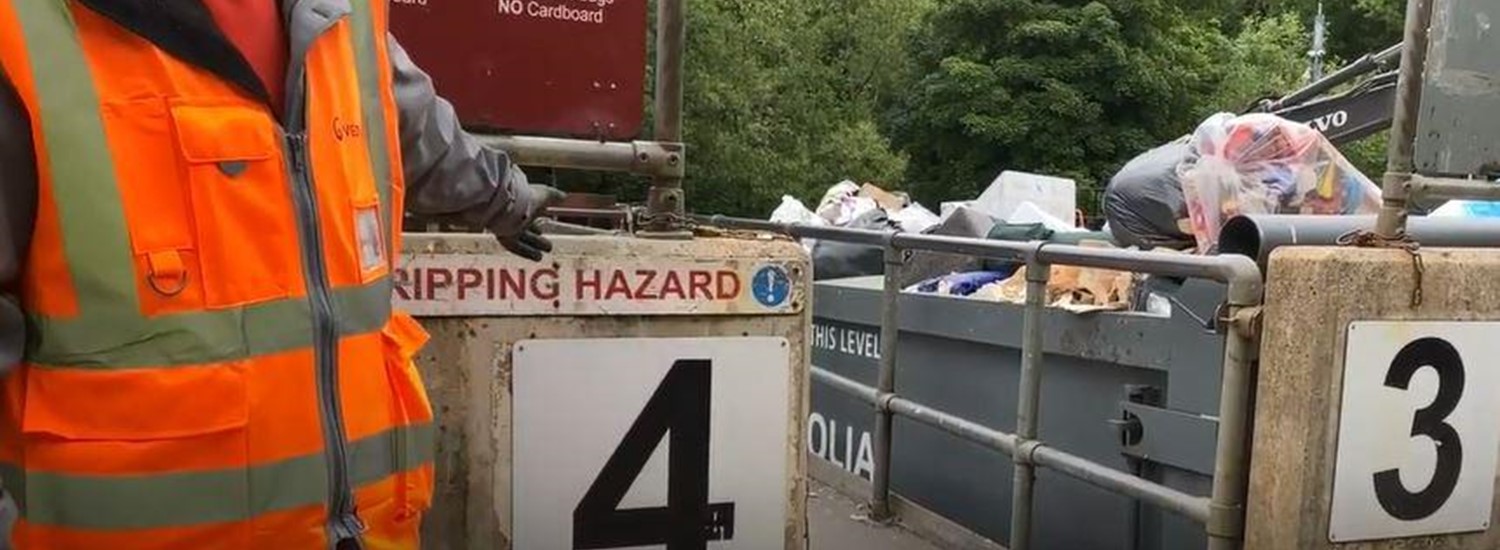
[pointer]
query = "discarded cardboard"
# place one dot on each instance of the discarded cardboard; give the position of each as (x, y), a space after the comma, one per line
(1072, 288)
(891, 202)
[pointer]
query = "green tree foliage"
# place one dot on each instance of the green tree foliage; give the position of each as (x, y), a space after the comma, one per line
(1072, 88)
(1356, 27)
(781, 98)
(938, 96)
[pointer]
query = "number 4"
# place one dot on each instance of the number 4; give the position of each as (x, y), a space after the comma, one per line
(680, 406)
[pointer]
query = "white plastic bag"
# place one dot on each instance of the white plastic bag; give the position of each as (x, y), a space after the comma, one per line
(1028, 213)
(838, 193)
(915, 218)
(793, 211)
(844, 210)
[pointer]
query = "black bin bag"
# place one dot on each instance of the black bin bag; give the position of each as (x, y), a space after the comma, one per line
(1143, 202)
(836, 260)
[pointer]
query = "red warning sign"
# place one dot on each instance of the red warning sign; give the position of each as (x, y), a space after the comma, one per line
(566, 68)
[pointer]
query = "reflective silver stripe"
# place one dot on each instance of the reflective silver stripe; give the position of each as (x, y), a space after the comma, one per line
(368, 61)
(205, 337)
(109, 330)
(182, 499)
(96, 240)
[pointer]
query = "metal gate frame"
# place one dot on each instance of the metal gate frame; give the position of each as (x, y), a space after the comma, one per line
(663, 158)
(1222, 514)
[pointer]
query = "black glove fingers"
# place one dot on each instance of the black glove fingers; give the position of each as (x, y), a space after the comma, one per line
(535, 240)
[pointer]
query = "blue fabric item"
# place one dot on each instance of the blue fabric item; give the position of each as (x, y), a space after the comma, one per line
(962, 284)
(1469, 209)
(1482, 209)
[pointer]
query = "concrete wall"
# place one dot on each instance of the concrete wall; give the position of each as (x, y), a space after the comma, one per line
(467, 366)
(1312, 296)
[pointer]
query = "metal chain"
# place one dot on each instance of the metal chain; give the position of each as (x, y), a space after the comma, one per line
(1368, 239)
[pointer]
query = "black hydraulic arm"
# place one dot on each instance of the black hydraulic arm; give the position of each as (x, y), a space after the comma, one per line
(1351, 115)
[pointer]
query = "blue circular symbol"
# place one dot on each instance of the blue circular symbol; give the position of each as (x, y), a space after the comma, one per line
(771, 286)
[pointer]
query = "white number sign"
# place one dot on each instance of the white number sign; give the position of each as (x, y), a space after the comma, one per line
(1419, 429)
(678, 444)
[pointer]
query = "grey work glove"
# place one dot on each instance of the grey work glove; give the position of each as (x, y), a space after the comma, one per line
(530, 243)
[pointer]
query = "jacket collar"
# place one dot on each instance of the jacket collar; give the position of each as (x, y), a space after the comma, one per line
(306, 19)
(186, 30)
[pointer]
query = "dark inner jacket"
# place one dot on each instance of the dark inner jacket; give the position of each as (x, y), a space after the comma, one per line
(447, 172)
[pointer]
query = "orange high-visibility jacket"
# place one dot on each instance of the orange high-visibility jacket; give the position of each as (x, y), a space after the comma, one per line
(213, 361)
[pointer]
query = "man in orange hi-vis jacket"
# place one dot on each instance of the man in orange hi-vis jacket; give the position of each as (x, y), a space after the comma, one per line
(200, 203)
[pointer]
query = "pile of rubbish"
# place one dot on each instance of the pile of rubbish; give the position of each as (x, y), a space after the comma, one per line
(1016, 207)
(854, 206)
(1180, 194)
(1071, 288)
(1172, 199)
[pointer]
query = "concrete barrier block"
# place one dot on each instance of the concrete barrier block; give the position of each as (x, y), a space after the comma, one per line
(468, 363)
(1318, 301)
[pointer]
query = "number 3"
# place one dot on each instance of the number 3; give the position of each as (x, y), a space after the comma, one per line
(680, 406)
(1430, 422)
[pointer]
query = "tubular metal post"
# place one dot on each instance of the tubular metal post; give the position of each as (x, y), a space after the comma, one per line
(1226, 521)
(890, 328)
(1452, 189)
(1110, 479)
(1223, 514)
(665, 203)
(637, 157)
(849, 387)
(1029, 399)
(953, 425)
(1400, 163)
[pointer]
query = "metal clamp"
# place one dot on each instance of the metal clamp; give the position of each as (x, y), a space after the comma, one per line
(1244, 321)
(1026, 451)
(1225, 521)
(660, 159)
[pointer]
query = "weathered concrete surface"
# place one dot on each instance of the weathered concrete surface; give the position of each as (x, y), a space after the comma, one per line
(836, 522)
(1311, 297)
(914, 524)
(467, 369)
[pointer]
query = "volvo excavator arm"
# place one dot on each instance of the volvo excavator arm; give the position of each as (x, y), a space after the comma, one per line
(1350, 115)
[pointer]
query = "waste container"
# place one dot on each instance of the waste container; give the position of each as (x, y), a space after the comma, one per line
(1134, 391)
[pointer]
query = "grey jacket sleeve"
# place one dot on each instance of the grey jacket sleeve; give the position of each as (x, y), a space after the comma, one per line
(18, 188)
(448, 172)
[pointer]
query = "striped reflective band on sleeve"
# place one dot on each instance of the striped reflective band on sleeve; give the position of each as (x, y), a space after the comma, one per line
(109, 331)
(182, 499)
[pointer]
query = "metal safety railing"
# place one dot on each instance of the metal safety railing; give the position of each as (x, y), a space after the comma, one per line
(1222, 514)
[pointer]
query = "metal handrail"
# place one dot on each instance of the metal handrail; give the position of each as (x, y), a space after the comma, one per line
(1222, 514)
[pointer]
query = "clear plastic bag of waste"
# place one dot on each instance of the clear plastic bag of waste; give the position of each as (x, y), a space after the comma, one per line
(1265, 164)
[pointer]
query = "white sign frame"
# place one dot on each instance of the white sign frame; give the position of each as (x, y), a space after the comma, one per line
(575, 401)
(1405, 377)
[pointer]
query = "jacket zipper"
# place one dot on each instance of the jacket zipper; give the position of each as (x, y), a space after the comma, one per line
(343, 523)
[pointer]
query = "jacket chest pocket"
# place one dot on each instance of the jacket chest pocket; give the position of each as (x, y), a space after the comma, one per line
(239, 202)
